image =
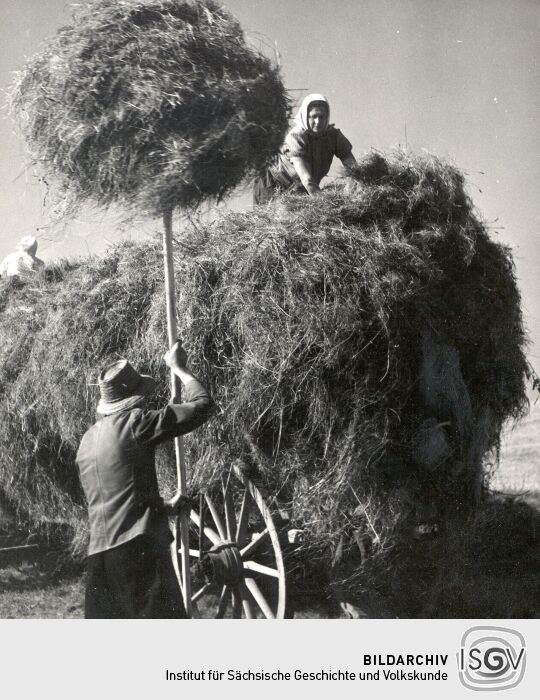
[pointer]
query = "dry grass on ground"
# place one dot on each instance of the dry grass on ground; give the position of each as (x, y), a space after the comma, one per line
(27, 592)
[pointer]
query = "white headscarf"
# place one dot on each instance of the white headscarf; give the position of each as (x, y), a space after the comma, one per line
(29, 245)
(301, 117)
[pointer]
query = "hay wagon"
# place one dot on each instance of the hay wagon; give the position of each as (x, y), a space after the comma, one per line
(392, 266)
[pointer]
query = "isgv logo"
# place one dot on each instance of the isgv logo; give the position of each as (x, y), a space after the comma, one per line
(491, 658)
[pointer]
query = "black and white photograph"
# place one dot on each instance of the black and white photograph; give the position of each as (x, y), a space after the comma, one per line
(269, 313)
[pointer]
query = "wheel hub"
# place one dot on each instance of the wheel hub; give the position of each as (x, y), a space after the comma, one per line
(223, 564)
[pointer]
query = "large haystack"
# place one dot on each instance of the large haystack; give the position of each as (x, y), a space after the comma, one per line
(364, 346)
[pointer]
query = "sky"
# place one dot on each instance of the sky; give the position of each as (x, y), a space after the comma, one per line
(459, 78)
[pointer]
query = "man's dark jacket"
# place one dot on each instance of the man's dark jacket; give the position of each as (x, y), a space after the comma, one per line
(117, 467)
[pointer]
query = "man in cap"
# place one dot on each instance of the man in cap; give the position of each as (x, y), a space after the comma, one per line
(23, 261)
(130, 571)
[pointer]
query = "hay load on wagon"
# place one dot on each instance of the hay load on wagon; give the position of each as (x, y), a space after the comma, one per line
(365, 348)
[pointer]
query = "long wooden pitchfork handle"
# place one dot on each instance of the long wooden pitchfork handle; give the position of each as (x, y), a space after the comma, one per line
(182, 521)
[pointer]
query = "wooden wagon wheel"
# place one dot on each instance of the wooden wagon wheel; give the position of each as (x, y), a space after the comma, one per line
(242, 561)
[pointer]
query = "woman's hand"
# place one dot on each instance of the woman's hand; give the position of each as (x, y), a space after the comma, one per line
(349, 161)
(304, 173)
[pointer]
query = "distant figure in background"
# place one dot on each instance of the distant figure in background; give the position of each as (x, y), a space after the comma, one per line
(23, 260)
(307, 153)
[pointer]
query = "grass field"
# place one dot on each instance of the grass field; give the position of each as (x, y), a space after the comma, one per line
(27, 591)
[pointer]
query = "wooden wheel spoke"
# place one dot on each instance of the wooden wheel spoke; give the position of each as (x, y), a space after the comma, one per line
(192, 552)
(246, 602)
(200, 592)
(223, 602)
(230, 521)
(241, 530)
(211, 534)
(249, 548)
(261, 569)
(259, 598)
(215, 515)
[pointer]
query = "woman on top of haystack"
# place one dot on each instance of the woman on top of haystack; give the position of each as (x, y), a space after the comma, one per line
(307, 153)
